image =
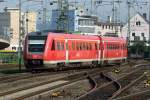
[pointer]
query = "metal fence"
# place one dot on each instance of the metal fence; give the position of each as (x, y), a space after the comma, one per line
(8, 57)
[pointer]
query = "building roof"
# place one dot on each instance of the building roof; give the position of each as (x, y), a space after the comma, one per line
(108, 23)
(143, 17)
(140, 16)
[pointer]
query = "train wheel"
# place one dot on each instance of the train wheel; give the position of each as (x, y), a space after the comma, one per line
(94, 64)
(60, 66)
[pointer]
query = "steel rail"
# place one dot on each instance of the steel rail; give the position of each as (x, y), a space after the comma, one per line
(127, 86)
(109, 88)
(69, 78)
(144, 95)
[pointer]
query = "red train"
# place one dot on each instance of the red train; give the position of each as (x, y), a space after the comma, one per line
(58, 50)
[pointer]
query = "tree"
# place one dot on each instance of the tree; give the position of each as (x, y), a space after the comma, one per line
(138, 48)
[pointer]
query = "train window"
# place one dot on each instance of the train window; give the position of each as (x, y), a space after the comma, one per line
(53, 45)
(90, 46)
(62, 45)
(113, 46)
(67, 46)
(80, 48)
(86, 46)
(96, 46)
(77, 46)
(58, 46)
(73, 46)
(108, 46)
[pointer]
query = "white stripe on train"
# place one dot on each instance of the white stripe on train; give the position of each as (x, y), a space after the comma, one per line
(82, 60)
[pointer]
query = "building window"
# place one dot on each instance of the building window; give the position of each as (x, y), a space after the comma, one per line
(136, 38)
(142, 34)
(103, 27)
(13, 48)
(144, 39)
(112, 27)
(133, 34)
(138, 23)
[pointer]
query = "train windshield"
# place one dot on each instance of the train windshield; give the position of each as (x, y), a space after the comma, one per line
(37, 37)
(36, 47)
(36, 44)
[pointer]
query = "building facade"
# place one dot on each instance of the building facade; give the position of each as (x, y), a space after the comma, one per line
(73, 18)
(109, 29)
(139, 29)
(80, 22)
(10, 25)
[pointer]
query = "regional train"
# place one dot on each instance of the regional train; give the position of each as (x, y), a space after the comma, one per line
(58, 50)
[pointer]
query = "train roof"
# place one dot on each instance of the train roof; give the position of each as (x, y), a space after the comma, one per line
(61, 34)
(73, 36)
(79, 36)
(44, 32)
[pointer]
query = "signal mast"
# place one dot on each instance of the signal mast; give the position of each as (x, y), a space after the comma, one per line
(63, 13)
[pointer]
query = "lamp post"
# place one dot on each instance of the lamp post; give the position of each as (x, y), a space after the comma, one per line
(149, 24)
(19, 40)
(128, 33)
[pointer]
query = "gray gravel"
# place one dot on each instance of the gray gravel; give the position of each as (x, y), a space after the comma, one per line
(69, 92)
(25, 82)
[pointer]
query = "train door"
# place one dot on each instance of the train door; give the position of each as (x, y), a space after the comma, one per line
(102, 50)
(67, 52)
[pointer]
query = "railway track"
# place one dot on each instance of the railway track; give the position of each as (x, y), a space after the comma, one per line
(115, 87)
(144, 95)
(49, 84)
(29, 91)
(16, 77)
(128, 81)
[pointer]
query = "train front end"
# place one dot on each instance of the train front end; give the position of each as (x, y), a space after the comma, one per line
(34, 47)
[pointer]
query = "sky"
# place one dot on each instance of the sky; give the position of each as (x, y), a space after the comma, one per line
(103, 10)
